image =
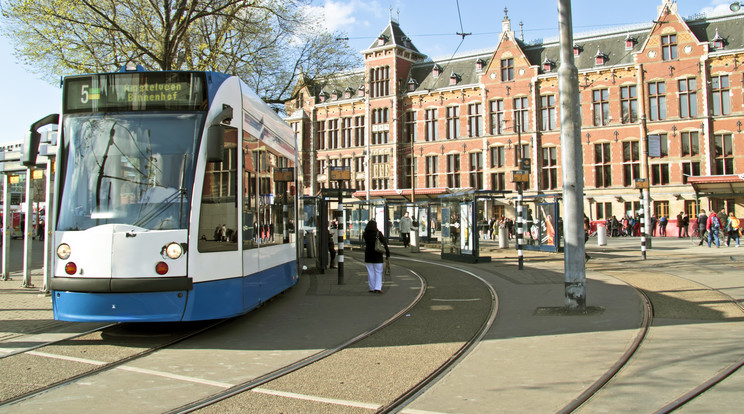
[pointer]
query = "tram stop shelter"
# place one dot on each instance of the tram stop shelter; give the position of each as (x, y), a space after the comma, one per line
(718, 189)
(462, 215)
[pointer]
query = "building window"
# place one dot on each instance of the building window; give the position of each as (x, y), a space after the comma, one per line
(687, 98)
(628, 104)
(497, 157)
(603, 210)
(410, 133)
(669, 47)
(547, 113)
(692, 208)
(346, 132)
(521, 114)
(523, 150)
(631, 162)
(453, 122)
(497, 117)
(474, 120)
(659, 174)
(601, 106)
(549, 168)
(380, 126)
(320, 136)
(661, 208)
(507, 69)
(663, 144)
(432, 166)
(453, 170)
(359, 164)
(332, 133)
(657, 100)
(690, 169)
(359, 138)
(690, 144)
(379, 79)
(602, 167)
(380, 172)
(721, 95)
(724, 156)
(431, 124)
(498, 181)
(476, 170)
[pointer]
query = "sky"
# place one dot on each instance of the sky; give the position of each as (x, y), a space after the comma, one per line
(432, 26)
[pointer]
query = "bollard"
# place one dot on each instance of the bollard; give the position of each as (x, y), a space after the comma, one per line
(601, 235)
(503, 238)
(414, 241)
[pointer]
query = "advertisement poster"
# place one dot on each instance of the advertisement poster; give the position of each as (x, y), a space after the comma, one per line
(466, 228)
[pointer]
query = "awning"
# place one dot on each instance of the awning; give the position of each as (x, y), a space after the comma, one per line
(718, 186)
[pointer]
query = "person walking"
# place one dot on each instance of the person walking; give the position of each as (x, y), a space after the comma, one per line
(702, 224)
(662, 225)
(685, 225)
(373, 259)
(679, 224)
(713, 226)
(732, 229)
(405, 229)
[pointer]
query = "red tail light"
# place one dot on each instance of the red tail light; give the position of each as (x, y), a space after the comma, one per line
(70, 268)
(161, 268)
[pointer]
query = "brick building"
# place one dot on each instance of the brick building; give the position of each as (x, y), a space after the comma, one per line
(662, 100)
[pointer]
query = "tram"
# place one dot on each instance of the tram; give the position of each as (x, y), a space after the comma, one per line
(175, 198)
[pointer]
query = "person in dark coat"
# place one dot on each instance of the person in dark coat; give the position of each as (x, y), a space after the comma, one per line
(373, 259)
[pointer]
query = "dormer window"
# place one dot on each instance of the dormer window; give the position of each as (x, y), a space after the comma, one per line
(382, 40)
(578, 49)
(630, 42)
(548, 65)
(480, 64)
(406, 41)
(718, 41)
(436, 71)
(334, 95)
(454, 79)
(347, 93)
(323, 96)
(412, 84)
(600, 58)
(360, 91)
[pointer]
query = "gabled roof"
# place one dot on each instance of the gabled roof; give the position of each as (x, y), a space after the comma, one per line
(394, 36)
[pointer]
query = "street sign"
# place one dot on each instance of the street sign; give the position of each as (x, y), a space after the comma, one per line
(520, 176)
(284, 174)
(340, 173)
(641, 183)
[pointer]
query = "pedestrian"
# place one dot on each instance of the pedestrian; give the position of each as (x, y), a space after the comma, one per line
(702, 224)
(373, 259)
(732, 228)
(652, 225)
(332, 245)
(713, 226)
(685, 225)
(662, 225)
(679, 224)
(722, 218)
(405, 229)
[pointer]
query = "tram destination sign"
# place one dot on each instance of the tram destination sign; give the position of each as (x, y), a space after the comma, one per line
(340, 173)
(135, 91)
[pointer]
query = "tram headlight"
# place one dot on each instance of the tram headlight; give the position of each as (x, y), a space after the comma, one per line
(63, 251)
(173, 250)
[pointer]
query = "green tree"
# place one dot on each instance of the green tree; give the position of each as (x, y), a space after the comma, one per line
(268, 43)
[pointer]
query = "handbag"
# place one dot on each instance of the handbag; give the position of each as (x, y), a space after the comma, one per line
(379, 246)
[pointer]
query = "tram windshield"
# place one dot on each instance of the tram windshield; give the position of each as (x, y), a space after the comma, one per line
(135, 169)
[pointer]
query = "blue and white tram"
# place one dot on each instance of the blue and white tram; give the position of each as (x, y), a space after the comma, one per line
(175, 199)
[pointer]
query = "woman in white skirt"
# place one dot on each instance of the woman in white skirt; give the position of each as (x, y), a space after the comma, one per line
(373, 259)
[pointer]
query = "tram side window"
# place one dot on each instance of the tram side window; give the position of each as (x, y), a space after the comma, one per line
(251, 227)
(218, 220)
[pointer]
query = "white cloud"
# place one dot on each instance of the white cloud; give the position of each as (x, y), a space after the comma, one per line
(346, 15)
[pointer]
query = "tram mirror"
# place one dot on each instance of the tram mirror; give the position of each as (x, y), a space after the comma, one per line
(31, 148)
(215, 143)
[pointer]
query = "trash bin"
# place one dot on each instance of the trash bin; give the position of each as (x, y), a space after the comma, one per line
(601, 234)
(414, 241)
(503, 238)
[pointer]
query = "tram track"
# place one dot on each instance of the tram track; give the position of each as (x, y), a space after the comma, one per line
(362, 367)
(60, 362)
(658, 310)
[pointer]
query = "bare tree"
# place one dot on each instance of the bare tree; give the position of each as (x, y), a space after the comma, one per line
(268, 43)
